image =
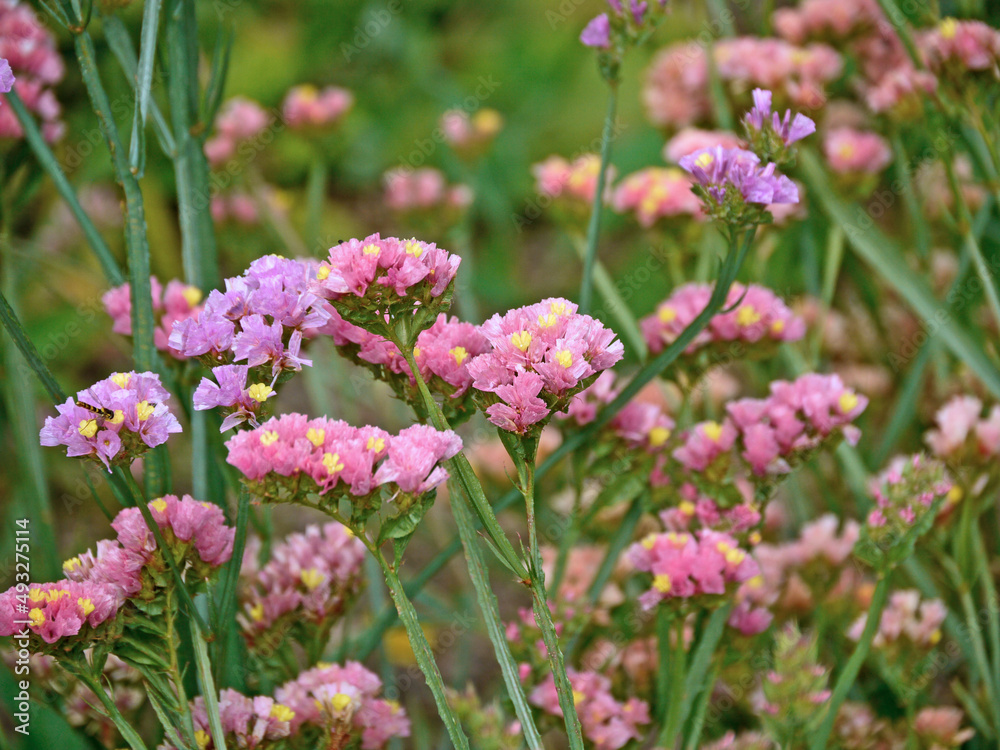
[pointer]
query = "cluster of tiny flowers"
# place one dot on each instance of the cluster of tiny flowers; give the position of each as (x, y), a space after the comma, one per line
(177, 301)
(334, 455)
(239, 121)
(962, 433)
(374, 277)
(113, 421)
(540, 357)
(423, 190)
(260, 319)
(243, 402)
(573, 183)
(467, 134)
(771, 135)
(698, 510)
(688, 140)
(656, 193)
(964, 45)
(678, 80)
(308, 582)
(683, 565)
(856, 152)
(625, 22)
(235, 206)
(306, 107)
(905, 617)
(30, 64)
(72, 612)
(904, 494)
(795, 686)
(835, 19)
(796, 417)
(609, 724)
(755, 314)
(335, 705)
(248, 723)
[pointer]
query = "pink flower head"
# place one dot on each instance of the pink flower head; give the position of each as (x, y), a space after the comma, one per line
(905, 492)
(31, 65)
(573, 182)
(762, 121)
(676, 87)
(955, 422)
(704, 443)
(423, 190)
(656, 193)
(116, 419)
(722, 172)
(179, 301)
(688, 140)
(232, 393)
(855, 151)
(248, 723)
(239, 121)
(967, 45)
(906, 617)
(465, 133)
(61, 610)
(443, 353)
(306, 106)
(413, 458)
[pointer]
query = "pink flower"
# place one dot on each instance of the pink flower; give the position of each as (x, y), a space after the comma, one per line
(656, 193)
(971, 45)
(520, 407)
(849, 150)
(203, 525)
(955, 422)
(31, 65)
(414, 453)
(64, 609)
(179, 301)
(239, 120)
(676, 87)
(575, 182)
(306, 106)
(688, 140)
(704, 443)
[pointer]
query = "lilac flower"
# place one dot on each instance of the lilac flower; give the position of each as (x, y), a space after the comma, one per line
(597, 33)
(414, 453)
(719, 169)
(232, 393)
(6, 77)
(788, 130)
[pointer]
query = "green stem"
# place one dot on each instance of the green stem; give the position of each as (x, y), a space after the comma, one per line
(227, 602)
(673, 692)
(126, 730)
(421, 649)
(845, 681)
(208, 691)
(594, 227)
(16, 331)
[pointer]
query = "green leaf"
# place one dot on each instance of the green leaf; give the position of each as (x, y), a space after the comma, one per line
(144, 83)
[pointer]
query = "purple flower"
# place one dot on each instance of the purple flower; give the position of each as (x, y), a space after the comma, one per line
(232, 394)
(718, 168)
(597, 33)
(6, 77)
(638, 11)
(788, 129)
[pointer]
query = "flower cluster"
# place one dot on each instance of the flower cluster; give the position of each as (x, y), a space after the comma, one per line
(306, 107)
(372, 278)
(656, 193)
(819, 19)
(113, 421)
(236, 206)
(69, 611)
(770, 135)
(242, 402)
(964, 45)
(239, 121)
(470, 135)
(856, 152)
(341, 704)
(622, 25)
(755, 315)
(962, 433)
(424, 190)
(907, 495)
(572, 184)
(540, 357)
(251, 723)
(308, 582)
(905, 617)
(608, 723)
(177, 301)
(794, 687)
(683, 565)
(260, 319)
(284, 453)
(31, 65)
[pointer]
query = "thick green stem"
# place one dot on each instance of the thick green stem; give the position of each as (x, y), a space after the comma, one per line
(208, 691)
(594, 228)
(845, 681)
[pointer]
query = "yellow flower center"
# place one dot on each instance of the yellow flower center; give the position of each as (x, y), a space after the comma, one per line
(955, 494)
(414, 248)
(756, 582)
(202, 739)
(712, 430)
(316, 437)
(735, 556)
(949, 27)
(848, 401)
(661, 583)
(257, 612)
(376, 444)
(72, 564)
(667, 314)
(282, 713)
(658, 436)
(159, 505)
(118, 418)
(340, 701)
(558, 308)
(704, 160)
(778, 326)
(747, 315)
(564, 357)
(577, 697)
(311, 578)
(332, 463)
(121, 379)
(547, 321)
(323, 272)
(144, 411)
(259, 391)
(86, 606)
(192, 295)
(88, 427)
(459, 353)
(268, 437)
(521, 340)
(648, 541)
(686, 507)
(36, 617)
(371, 249)
(37, 595)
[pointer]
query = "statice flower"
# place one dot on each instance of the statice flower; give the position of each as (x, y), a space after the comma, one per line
(376, 282)
(856, 152)
(905, 617)
(239, 121)
(597, 33)
(656, 193)
(940, 727)
(261, 318)
(541, 356)
(31, 65)
(676, 91)
(247, 723)
(112, 565)
(703, 564)
(794, 690)
(290, 456)
(826, 19)
(424, 191)
(755, 315)
(341, 704)
(908, 496)
(307, 107)
(570, 186)
(609, 724)
(242, 403)
(71, 613)
(115, 420)
(771, 135)
(178, 301)
(962, 45)
(470, 135)
(962, 434)
(303, 589)
(236, 206)
(688, 140)
(733, 186)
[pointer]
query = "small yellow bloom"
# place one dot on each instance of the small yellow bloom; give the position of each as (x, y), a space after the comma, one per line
(323, 272)
(521, 340)
(778, 327)
(268, 437)
(340, 702)
(577, 697)
(311, 578)
(332, 463)
(192, 295)
(459, 353)
(121, 379)
(704, 160)
(662, 583)
(36, 617)
(144, 410)
(756, 582)
(72, 564)
(754, 537)
(686, 508)
(257, 612)
(37, 595)
(547, 321)
(564, 357)
(316, 437)
(848, 401)
(118, 418)
(202, 739)
(735, 556)
(414, 248)
(747, 315)
(712, 430)
(658, 436)
(666, 314)
(282, 713)
(159, 505)
(371, 249)
(376, 444)
(88, 427)
(86, 606)
(558, 308)
(259, 391)
(487, 121)
(648, 541)
(955, 495)
(948, 28)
